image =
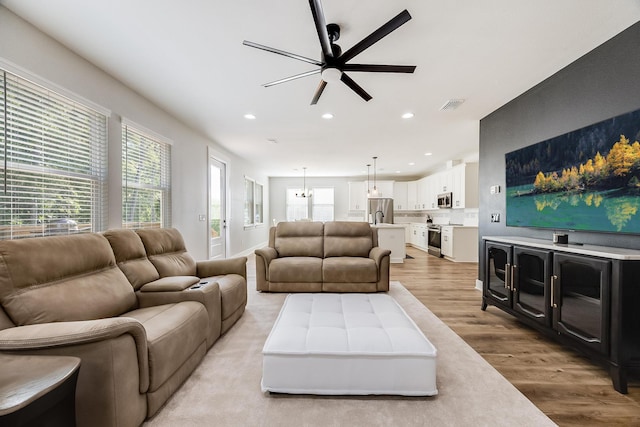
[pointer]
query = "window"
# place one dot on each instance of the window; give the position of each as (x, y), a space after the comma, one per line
(253, 203)
(53, 162)
(258, 211)
(248, 201)
(297, 207)
(322, 202)
(146, 179)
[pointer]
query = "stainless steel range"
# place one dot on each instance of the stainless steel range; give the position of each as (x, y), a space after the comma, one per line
(434, 241)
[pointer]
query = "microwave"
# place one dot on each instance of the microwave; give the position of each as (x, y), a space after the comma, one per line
(444, 200)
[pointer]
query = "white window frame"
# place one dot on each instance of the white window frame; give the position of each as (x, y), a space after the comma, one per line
(253, 203)
(53, 159)
(314, 213)
(303, 208)
(154, 183)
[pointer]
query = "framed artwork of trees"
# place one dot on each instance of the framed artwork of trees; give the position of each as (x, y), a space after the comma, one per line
(587, 179)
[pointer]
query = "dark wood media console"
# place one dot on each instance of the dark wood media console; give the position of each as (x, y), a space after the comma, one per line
(584, 296)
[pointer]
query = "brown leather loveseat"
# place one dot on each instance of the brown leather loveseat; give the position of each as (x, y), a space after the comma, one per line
(134, 307)
(337, 256)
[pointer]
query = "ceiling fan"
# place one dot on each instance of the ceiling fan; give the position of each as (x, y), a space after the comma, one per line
(334, 63)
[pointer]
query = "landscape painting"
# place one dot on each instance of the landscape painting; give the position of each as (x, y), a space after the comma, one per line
(587, 179)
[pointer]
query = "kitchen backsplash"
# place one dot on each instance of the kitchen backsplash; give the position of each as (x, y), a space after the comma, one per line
(467, 217)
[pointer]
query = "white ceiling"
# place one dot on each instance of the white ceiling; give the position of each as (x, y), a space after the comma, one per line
(187, 57)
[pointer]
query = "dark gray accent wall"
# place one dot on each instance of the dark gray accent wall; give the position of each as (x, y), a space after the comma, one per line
(602, 84)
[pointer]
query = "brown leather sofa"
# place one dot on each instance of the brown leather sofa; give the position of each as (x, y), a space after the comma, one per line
(336, 256)
(135, 307)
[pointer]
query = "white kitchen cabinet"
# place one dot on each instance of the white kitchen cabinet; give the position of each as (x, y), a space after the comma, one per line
(412, 195)
(400, 197)
(465, 186)
(357, 196)
(423, 193)
(385, 188)
(419, 235)
(459, 244)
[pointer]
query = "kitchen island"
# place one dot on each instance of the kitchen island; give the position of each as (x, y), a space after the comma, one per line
(391, 236)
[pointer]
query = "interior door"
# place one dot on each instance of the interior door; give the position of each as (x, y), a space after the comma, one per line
(217, 209)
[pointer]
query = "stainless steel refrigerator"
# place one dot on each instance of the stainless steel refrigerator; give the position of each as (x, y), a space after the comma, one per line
(381, 210)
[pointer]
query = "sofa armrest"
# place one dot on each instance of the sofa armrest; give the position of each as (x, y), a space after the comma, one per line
(377, 254)
(264, 256)
(69, 334)
(220, 267)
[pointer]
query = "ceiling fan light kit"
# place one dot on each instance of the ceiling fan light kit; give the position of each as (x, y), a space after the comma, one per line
(333, 65)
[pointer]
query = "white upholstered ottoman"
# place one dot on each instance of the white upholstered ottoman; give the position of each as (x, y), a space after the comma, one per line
(347, 344)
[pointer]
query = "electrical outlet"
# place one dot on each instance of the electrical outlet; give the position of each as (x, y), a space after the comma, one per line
(202, 217)
(494, 189)
(495, 217)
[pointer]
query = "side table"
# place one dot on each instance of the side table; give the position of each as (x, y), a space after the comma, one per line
(38, 390)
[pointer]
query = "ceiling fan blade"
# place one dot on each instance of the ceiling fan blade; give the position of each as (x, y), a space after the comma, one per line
(321, 27)
(288, 79)
(319, 90)
(374, 68)
(282, 52)
(355, 87)
(393, 24)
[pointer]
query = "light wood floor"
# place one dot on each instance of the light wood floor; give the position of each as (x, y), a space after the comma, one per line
(567, 387)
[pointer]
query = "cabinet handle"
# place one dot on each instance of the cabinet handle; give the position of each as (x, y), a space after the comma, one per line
(553, 291)
(507, 275)
(514, 277)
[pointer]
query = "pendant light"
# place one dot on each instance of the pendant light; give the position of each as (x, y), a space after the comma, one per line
(304, 193)
(374, 193)
(368, 191)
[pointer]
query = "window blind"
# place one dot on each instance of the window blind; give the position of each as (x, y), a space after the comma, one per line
(53, 162)
(146, 180)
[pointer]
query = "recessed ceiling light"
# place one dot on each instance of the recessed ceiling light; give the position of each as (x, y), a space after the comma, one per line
(412, 164)
(407, 115)
(327, 116)
(428, 154)
(249, 116)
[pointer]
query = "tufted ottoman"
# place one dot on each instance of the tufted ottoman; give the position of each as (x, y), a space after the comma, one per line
(347, 344)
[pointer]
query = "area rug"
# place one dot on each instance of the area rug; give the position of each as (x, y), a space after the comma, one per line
(225, 389)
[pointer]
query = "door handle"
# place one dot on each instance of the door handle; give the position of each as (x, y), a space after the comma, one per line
(507, 275)
(553, 291)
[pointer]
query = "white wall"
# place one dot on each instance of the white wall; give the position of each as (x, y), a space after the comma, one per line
(28, 49)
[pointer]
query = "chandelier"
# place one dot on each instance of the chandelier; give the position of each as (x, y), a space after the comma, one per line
(305, 193)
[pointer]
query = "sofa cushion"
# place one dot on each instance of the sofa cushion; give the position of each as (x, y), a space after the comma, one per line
(174, 333)
(296, 269)
(131, 257)
(166, 250)
(62, 278)
(347, 239)
(233, 292)
(299, 239)
(349, 270)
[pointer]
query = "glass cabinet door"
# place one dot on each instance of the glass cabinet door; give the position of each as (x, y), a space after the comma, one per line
(498, 273)
(531, 278)
(581, 299)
